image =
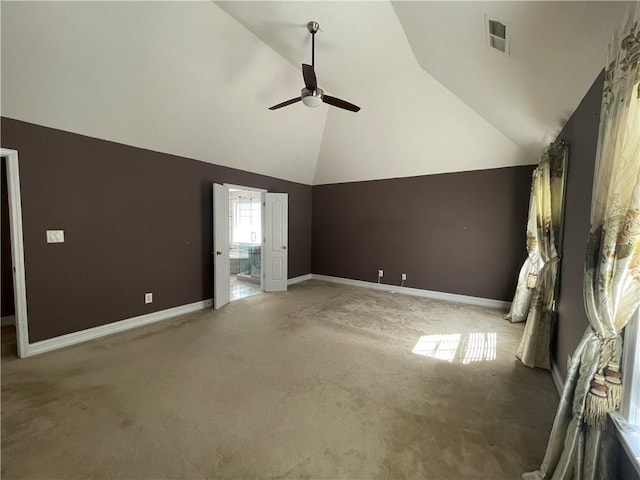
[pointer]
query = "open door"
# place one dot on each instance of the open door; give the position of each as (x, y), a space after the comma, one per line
(276, 241)
(17, 250)
(221, 264)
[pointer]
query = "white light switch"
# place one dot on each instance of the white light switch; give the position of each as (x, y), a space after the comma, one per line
(55, 236)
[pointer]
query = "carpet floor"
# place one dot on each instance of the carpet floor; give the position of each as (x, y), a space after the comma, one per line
(322, 381)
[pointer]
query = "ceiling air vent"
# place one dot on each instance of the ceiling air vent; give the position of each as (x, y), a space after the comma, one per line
(497, 35)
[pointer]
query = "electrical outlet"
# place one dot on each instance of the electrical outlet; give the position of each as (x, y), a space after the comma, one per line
(404, 276)
(55, 236)
(381, 273)
(148, 297)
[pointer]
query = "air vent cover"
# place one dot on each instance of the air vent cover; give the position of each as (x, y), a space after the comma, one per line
(497, 35)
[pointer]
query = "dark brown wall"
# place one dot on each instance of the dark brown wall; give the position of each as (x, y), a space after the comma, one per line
(7, 276)
(459, 233)
(135, 221)
(581, 131)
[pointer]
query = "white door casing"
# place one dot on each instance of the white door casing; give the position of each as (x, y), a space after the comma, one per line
(17, 250)
(221, 264)
(276, 242)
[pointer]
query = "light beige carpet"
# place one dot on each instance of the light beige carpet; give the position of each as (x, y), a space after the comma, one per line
(318, 382)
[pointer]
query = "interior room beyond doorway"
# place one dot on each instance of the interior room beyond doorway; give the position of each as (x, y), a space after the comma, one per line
(245, 242)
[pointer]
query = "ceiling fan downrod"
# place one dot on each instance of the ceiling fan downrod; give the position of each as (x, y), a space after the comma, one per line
(313, 28)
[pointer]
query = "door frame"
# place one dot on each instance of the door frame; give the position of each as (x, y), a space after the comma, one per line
(17, 249)
(262, 191)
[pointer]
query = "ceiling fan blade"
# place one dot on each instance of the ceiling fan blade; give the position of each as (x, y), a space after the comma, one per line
(284, 104)
(309, 77)
(336, 102)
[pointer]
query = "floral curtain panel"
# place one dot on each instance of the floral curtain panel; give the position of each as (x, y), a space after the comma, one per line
(578, 447)
(534, 296)
(548, 178)
(529, 271)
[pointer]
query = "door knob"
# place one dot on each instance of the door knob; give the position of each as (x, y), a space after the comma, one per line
(284, 248)
(218, 253)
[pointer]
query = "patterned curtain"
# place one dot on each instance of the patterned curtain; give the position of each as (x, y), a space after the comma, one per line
(534, 299)
(578, 448)
(529, 271)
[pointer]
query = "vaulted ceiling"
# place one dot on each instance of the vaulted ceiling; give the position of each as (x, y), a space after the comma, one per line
(195, 79)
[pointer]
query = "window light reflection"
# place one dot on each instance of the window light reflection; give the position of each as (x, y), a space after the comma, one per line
(480, 347)
(472, 347)
(442, 347)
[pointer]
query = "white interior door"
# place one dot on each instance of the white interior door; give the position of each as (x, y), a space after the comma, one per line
(221, 262)
(276, 241)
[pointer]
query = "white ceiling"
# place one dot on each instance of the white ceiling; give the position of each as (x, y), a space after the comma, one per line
(195, 79)
(176, 77)
(410, 124)
(557, 48)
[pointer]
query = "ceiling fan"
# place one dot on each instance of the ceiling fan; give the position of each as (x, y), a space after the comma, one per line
(312, 95)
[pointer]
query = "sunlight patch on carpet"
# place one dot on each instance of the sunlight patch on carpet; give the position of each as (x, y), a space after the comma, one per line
(469, 348)
(442, 347)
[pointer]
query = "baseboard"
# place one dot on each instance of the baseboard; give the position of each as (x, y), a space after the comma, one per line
(111, 328)
(449, 297)
(301, 278)
(557, 377)
(123, 325)
(8, 321)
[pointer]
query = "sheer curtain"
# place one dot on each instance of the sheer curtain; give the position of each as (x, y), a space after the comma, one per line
(578, 447)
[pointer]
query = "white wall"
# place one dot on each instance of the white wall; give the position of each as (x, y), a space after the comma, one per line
(557, 50)
(414, 127)
(181, 78)
(410, 123)
(187, 78)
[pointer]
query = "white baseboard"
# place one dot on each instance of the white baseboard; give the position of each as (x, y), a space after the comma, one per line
(8, 321)
(301, 278)
(123, 325)
(557, 377)
(111, 328)
(449, 297)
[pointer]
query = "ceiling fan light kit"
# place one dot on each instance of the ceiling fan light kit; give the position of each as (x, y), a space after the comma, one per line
(312, 99)
(312, 95)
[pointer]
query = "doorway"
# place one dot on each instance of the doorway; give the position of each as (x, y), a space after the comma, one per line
(245, 242)
(267, 236)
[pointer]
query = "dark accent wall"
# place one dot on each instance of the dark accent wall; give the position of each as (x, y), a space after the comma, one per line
(135, 221)
(7, 308)
(581, 131)
(459, 233)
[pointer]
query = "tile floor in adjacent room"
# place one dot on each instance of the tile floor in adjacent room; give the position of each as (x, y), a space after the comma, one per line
(243, 288)
(322, 381)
